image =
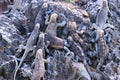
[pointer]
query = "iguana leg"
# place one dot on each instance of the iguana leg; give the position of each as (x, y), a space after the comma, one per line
(109, 13)
(93, 26)
(69, 53)
(46, 49)
(107, 25)
(47, 44)
(66, 49)
(46, 60)
(21, 47)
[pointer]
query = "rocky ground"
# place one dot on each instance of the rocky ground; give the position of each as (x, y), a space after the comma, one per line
(60, 40)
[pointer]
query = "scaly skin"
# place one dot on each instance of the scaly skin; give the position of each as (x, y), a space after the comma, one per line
(103, 48)
(102, 15)
(39, 69)
(101, 45)
(29, 46)
(52, 24)
(51, 31)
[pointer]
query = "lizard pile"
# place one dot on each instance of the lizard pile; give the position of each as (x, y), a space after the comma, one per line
(59, 40)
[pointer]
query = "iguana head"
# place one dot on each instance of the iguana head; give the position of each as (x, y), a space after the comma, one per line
(39, 53)
(72, 25)
(53, 17)
(105, 3)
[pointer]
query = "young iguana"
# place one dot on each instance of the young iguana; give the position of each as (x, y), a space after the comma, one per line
(51, 31)
(82, 69)
(39, 68)
(102, 15)
(29, 46)
(52, 24)
(101, 45)
(103, 48)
